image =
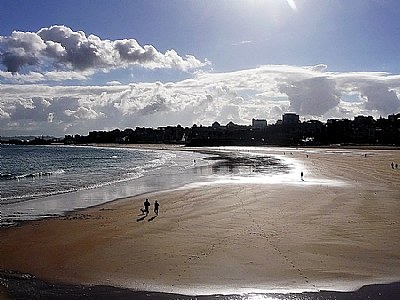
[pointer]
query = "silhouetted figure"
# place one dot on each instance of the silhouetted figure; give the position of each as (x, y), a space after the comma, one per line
(156, 206)
(301, 174)
(396, 165)
(392, 165)
(365, 155)
(146, 206)
(307, 155)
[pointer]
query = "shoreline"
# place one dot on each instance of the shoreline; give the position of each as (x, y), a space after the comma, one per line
(313, 243)
(58, 203)
(21, 286)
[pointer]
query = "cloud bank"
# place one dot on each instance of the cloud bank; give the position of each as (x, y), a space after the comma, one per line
(264, 92)
(60, 49)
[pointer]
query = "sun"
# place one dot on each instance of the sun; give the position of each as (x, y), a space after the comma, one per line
(271, 3)
(292, 4)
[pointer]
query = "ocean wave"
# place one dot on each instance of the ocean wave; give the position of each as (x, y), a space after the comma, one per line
(8, 176)
(30, 176)
(31, 196)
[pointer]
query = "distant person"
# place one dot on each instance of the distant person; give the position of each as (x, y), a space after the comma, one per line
(156, 206)
(301, 175)
(146, 206)
(365, 155)
(396, 165)
(392, 165)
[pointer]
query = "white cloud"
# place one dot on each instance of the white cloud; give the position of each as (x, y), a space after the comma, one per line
(21, 78)
(380, 98)
(83, 113)
(4, 114)
(242, 43)
(59, 49)
(67, 75)
(314, 96)
(19, 49)
(114, 82)
(50, 117)
(264, 92)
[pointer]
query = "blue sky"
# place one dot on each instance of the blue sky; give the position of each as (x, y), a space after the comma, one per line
(68, 67)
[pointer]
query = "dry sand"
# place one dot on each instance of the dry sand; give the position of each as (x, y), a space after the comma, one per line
(223, 238)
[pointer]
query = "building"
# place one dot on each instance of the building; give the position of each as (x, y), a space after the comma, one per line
(290, 119)
(259, 123)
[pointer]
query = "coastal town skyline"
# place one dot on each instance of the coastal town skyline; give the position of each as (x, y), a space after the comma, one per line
(290, 130)
(70, 68)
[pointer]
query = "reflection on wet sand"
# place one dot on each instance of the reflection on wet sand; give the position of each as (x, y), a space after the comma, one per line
(248, 165)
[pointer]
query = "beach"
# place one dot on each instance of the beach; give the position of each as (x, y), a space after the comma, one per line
(336, 230)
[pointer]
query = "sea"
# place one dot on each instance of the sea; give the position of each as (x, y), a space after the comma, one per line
(46, 181)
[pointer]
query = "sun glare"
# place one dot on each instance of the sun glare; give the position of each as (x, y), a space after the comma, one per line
(292, 4)
(269, 3)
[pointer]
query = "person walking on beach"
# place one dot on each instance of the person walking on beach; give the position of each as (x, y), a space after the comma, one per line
(392, 165)
(302, 174)
(156, 206)
(146, 206)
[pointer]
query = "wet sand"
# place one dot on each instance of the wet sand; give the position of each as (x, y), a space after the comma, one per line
(33, 288)
(336, 230)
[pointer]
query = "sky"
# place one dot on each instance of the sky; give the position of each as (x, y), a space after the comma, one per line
(70, 67)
